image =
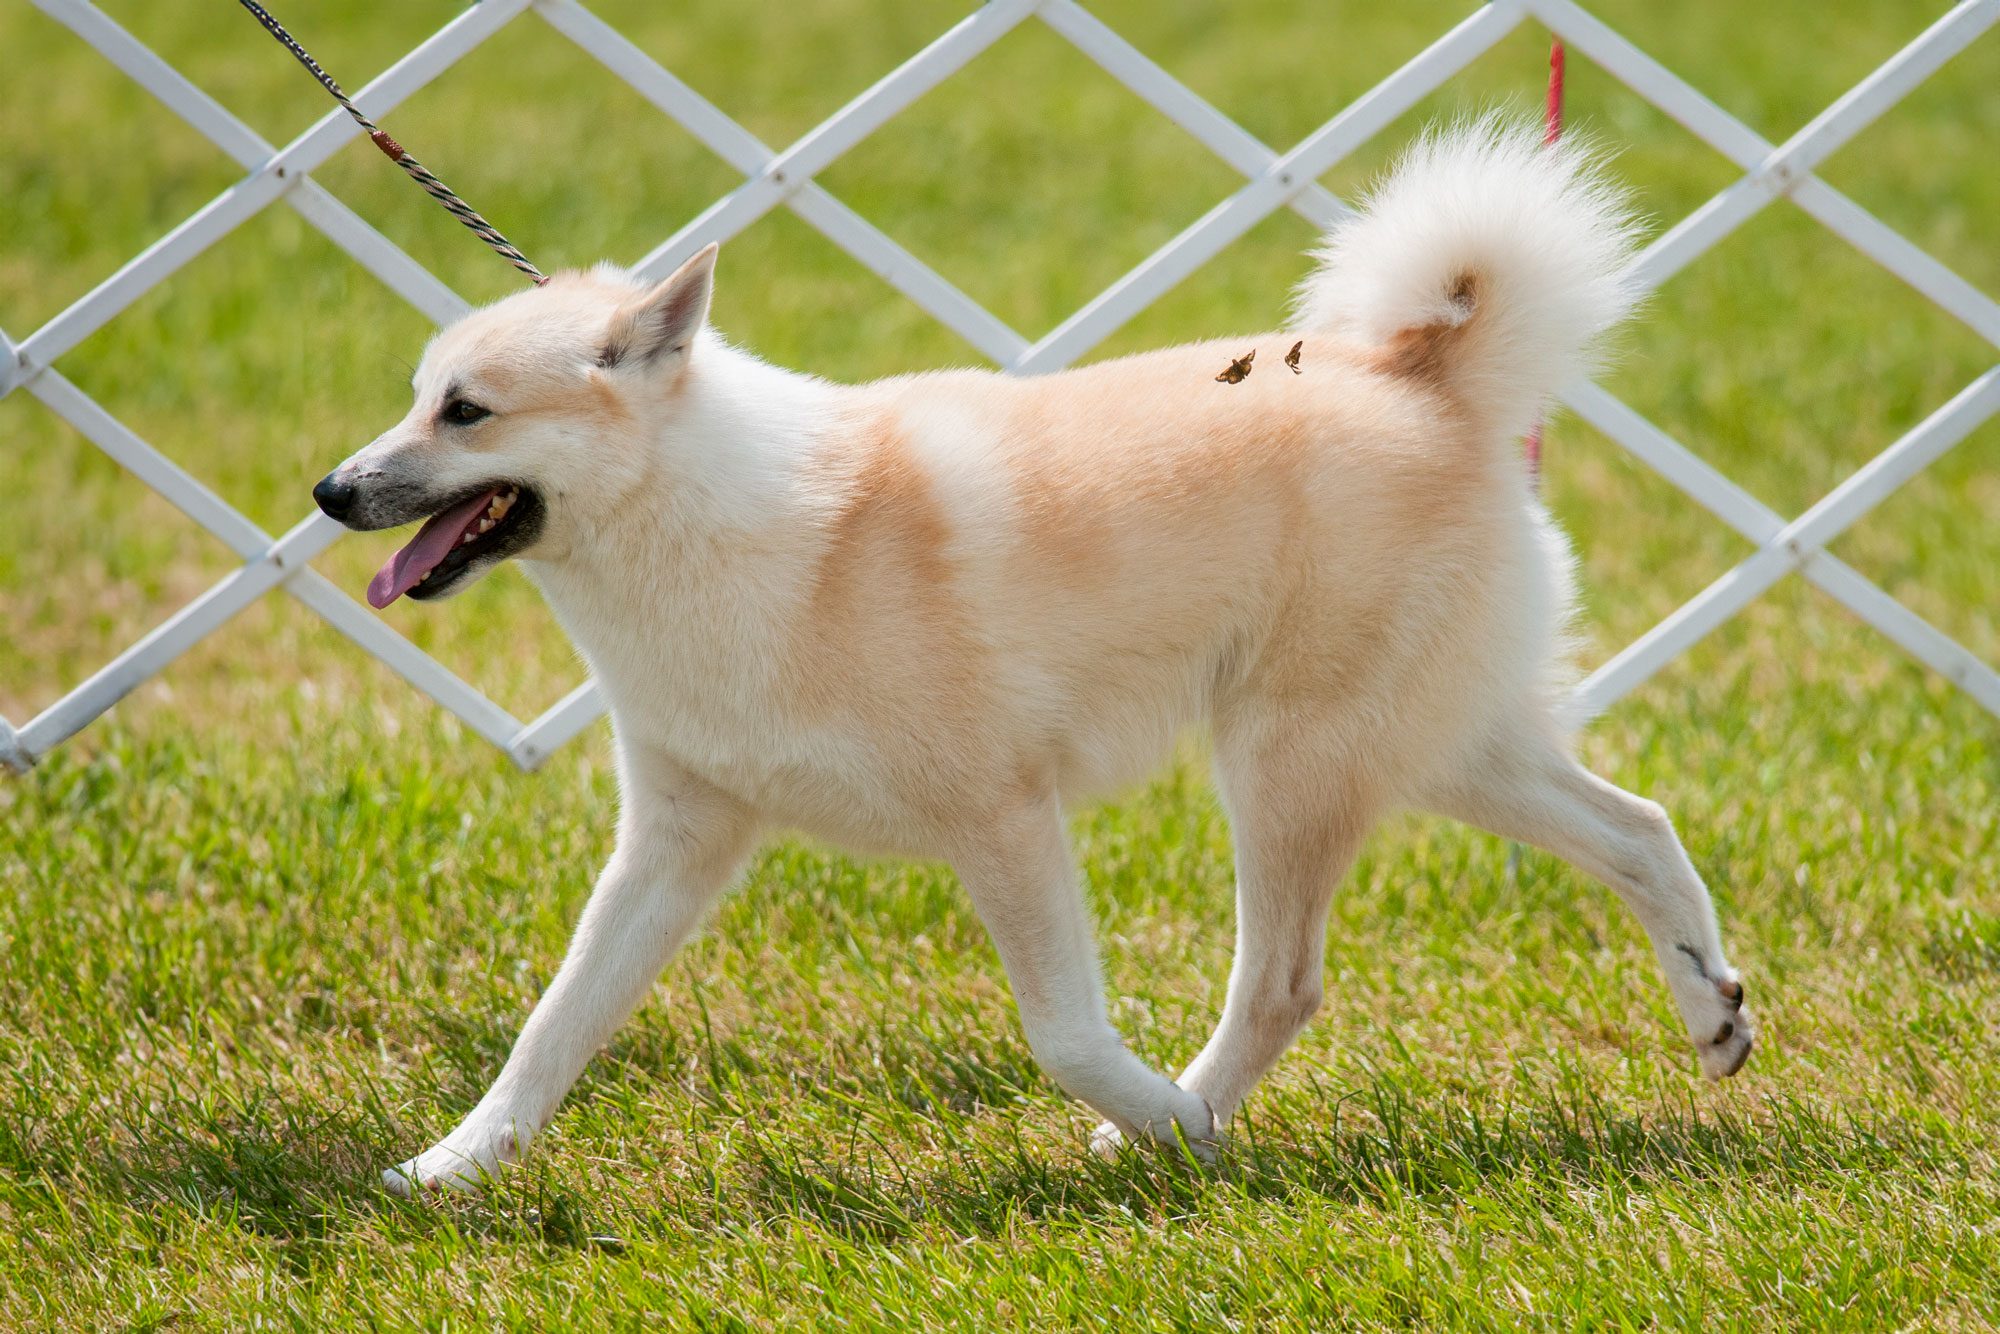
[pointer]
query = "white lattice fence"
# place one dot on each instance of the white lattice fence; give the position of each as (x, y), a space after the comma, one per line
(785, 178)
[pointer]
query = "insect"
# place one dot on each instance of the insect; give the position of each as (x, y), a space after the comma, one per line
(1238, 370)
(1292, 357)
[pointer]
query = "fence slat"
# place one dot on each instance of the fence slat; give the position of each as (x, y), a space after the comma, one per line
(162, 80)
(177, 634)
(1181, 105)
(13, 755)
(247, 540)
(1209, 235)
(1795, 544)
(168, 479)
(1701, 482)
(817, 149)
(748, 154)
(1892, 81)
(376, 253)
(1881, 243)
(1913, 633)
(375, 637)
(563, 720)
(278, 174)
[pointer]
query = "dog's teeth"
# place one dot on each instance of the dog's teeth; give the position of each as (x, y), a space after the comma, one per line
(485, 524)
(467, 538)
(425, 578)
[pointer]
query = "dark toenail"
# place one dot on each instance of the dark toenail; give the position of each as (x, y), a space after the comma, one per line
(1727, 1032)
(1734, 992)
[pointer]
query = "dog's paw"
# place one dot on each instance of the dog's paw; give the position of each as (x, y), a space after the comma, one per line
(1710, 995)
(1723, 1029)
(1197, 1130)
(1107, 1141)
(465, 1161)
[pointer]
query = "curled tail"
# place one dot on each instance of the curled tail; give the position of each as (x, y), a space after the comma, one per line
(1487, 262)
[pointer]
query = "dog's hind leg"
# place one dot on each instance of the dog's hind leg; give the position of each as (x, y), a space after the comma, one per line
(1297, 820)
(1524, 785)
(679, 844)
(1018, 870)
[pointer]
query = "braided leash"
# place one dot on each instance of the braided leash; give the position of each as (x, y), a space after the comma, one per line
(412, 168)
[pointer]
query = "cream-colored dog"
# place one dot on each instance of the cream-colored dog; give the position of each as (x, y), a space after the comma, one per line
(922, 616)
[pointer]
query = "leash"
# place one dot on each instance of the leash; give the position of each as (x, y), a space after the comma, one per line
(412, 168)
(1552, 128)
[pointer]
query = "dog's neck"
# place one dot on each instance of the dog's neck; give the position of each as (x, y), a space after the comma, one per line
(721, 522)
(714, 459)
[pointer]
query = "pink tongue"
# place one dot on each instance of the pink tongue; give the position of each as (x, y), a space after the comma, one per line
(433, 542)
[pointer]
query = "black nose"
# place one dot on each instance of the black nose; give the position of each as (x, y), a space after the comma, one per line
(334, 496)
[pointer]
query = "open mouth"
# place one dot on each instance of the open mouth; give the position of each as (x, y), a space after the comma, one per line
(494, 522)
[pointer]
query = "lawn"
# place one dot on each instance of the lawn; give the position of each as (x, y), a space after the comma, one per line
(271, 925)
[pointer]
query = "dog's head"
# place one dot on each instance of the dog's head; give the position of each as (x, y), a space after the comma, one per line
(527, 427)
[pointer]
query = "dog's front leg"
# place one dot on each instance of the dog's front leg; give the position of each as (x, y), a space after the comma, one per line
(1018, 871)
(679, 844)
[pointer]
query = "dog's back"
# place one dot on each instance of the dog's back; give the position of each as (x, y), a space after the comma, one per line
(1062, 571)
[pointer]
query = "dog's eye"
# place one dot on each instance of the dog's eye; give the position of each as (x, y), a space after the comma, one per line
(464, 411)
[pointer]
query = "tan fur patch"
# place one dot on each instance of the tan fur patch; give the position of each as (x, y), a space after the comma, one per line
(884, 636)
(1418, 353)
(1422, 352)
(892, 521)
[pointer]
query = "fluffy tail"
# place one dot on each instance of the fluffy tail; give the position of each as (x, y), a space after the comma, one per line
(1487, 262)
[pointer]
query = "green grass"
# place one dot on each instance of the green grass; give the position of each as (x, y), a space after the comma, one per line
(273, 924)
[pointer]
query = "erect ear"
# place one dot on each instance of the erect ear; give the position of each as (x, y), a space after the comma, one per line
(666, 319)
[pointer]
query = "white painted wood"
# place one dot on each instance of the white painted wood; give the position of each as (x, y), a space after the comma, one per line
(12, 754)
(11, 372)
(794, 168)
(149, 465)
(269, 181)
(178, 633)
(1797, 544)
(369, 631)
(744, 151)
(342, 225)
(1704, 484)
(1181, 105)
(1279, 181)
(563, 720)
(1774, 171)
(1892, 81)
(1887, 247)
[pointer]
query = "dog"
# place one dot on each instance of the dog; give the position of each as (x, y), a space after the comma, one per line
(921, 616)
